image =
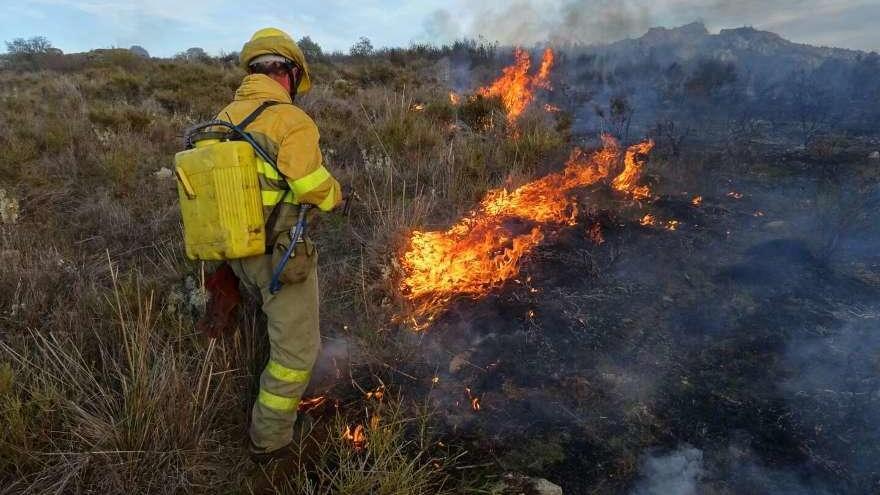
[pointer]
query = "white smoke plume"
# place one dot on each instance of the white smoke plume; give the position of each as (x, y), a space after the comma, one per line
(674, 473)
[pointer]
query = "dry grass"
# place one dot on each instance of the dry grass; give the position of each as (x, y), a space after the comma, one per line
(104, 386)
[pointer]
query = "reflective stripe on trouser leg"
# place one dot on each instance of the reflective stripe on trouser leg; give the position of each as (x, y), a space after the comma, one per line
(292, 327)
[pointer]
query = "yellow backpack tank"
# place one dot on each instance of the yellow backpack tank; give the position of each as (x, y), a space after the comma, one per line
(220, 200)
(219, 189)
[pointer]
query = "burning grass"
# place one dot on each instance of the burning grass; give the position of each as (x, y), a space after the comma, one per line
(487, 246)
(516, 87)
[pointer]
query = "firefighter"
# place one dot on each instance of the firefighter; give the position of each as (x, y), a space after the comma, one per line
(276, 73)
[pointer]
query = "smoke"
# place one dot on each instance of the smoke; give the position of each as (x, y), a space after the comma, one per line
(528, 22)
(539, 21)
(675, 473)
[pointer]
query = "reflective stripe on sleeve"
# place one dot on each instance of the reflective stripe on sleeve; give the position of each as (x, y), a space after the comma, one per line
(268, 170)
(306, 184)
(328, 202)
(271, 198)
(276, 402)
(285, 374)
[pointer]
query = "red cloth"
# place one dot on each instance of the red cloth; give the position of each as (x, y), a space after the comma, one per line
(223, 300)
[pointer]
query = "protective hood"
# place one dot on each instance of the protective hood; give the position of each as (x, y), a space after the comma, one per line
(276, 42)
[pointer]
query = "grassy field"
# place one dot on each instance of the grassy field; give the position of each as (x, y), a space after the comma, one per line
(720, 336)
(104, 386)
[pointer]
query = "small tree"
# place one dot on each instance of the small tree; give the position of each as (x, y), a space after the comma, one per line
(139, 51)
(310, 49)
(194, 54)
(363, 48)
(618, 117)
(28, 47)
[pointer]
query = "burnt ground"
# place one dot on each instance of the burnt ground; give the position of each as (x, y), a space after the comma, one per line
(739, 353)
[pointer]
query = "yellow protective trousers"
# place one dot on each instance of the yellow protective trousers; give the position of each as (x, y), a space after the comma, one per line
(294, 340)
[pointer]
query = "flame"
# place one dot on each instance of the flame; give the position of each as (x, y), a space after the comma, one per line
(648, 220)
(487, 246)
(551, 108)
(627, 181)
(356, 436)
(454, 98)
(595, 233)
(307, 405)
(697, 201)
(418, 107)
(516, 87)
(475, 401)
(735, 195)
(672, 224)
(377, 394)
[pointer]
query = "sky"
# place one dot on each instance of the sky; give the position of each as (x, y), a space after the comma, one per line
(166, 27)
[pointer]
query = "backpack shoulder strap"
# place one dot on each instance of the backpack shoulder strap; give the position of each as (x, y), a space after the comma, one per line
(256, 113)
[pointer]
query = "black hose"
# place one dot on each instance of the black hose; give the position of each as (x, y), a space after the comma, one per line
(188, 135)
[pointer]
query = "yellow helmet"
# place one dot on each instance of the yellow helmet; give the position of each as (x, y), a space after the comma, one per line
(272, 41)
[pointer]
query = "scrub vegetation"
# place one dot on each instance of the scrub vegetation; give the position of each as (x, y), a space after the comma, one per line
(718, 336)
(104, 384)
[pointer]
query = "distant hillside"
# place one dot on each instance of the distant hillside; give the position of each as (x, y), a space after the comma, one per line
(743, 73)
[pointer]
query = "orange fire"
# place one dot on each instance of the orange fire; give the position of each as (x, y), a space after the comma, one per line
(595, 233)
(356, 436)
(454, 98)
(633, 167)
(487, 246)
(648, 220)
(377, 394)
(307, 405)
(697, 201)
(475, 401)
(516, 87)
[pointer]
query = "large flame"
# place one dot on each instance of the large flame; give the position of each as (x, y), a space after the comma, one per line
(486, 247)
(628, 180)
(516, 87)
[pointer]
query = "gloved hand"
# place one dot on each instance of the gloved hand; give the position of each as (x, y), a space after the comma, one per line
(223, 299)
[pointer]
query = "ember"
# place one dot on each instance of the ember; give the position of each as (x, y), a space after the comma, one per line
(697, 201)
(307, 405)
(377, 394)
(475, 401)
(482, 250)
(454, 98)
(734, 195)
(648, 220)
(595, 233)
(516, 87)
(356, 436)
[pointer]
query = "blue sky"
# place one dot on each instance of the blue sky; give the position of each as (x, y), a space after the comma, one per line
(165, 27)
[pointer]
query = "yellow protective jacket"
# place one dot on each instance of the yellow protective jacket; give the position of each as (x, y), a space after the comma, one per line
(290, 137)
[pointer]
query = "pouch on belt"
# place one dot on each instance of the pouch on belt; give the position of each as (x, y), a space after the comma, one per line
(302, 262)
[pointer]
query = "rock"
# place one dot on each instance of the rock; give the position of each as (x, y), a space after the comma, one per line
(874, 156)
(517, 484)
(163, 173)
